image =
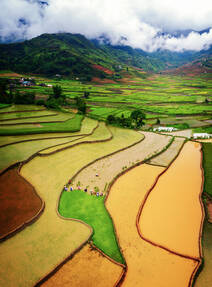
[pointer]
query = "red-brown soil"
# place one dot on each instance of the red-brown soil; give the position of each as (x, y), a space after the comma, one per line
(209, 210)
(101, 68)
(10, 75)
(191, 69)
(102, 81)
(19, 203)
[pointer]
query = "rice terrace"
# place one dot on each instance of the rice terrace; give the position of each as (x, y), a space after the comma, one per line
(105, 156)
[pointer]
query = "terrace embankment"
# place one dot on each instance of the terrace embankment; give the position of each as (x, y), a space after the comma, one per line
(102, 172)
(19, 203)
(87, 268)
(87, 127)
(171, 216)
(165, 158)
(147, 265)
(183, 133)
(44, 245)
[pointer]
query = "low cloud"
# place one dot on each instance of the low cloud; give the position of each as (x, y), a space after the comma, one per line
(137, 23)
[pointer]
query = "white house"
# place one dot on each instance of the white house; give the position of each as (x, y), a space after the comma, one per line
(202, 135)
(164, 129)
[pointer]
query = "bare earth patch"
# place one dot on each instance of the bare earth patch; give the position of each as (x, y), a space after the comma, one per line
(101, 173)
(167, 156)
(19, 202)
(87, 268)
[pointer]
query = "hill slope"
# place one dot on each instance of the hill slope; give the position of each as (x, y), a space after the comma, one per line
(74, 55)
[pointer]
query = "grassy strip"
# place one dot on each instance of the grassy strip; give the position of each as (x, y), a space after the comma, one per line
(59, 117)
(207, 165)
(3, 106)
(72, 125)
(19, 152)
(203, 130)
(25, 115)
(87, 127)
(21, 108)
(91, 210)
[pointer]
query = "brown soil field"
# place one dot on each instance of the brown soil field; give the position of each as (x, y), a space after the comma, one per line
(102, 81)
(87, 268)
(165, 158)
(147, 265)
(102, 172)
(177, 226)
(19, 203)
(101, 68)
(10, 75)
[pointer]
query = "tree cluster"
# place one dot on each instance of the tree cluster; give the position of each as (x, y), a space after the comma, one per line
(135, 120)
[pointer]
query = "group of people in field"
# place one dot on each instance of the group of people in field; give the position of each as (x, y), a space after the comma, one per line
(68, 187)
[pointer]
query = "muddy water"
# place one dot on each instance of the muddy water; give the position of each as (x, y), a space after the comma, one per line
(147, 265)
(87, 268)
(172, 213)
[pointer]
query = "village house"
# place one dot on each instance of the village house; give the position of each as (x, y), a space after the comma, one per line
(202, 135)
(164, 129)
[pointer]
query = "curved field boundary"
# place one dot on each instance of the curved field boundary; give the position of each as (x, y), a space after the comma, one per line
(36, 122)
(35, 154)
(199, 260)
(69, 257)
(74, 134)
(39, 154)
(122, 159)
(73, 126)
(23, 111)
(31, 220)
(24, 118)
(62, 260)
(166, 157)
(118, 283)
(56, 268)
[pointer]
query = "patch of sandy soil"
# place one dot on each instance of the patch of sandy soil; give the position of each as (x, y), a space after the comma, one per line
(19, 202)
(167, 156)
(148, 265)
(38, 125)
(87, 268)
(172, 214)
(184, 133)
(101, 173)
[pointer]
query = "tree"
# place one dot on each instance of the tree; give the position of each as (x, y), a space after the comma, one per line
(111, 119)
(81, 105)
(57, 91)
(86, 95)
(138, 116)
(158, 121)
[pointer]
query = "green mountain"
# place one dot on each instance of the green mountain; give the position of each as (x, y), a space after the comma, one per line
(74, 55)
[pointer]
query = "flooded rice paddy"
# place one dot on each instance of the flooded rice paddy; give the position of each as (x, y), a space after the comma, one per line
(147, 264)
(172, 214)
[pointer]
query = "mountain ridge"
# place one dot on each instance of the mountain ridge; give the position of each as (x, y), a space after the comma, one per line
(75, 55)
